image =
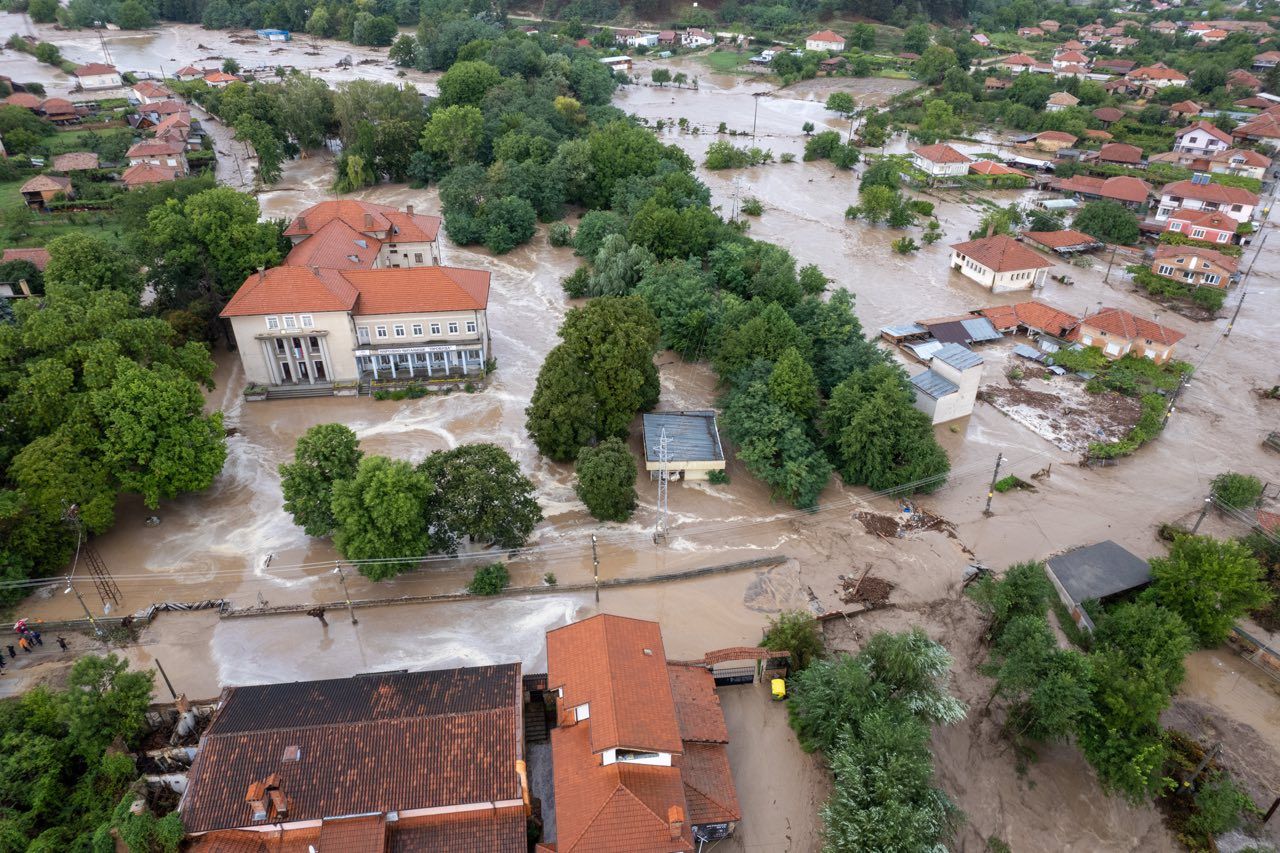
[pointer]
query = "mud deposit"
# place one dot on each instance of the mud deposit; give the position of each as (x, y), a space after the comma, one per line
(1063, 413)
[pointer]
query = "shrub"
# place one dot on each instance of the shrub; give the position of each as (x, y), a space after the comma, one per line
(920, 206)
(1237, 490)
(905, 245)
(788, 157)
(577, 282)
(797, 632)
(489, 580)
(752, 207)
(1004, 484)
(560, 234)
(549, 579)
(718, 478)
(1220, 807)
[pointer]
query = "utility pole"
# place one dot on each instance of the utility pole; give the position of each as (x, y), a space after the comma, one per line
(1244, 280)
(1208, 502)
(664, 457)
(350, 610)
(992, 490)
(754, 112)
(1106, 279)
(167, 682)
(595, 566)
(1173, 400)
(97, 629)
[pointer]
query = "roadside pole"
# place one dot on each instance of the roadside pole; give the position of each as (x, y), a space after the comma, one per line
(97, 629)
(167, 682)
(1244, 281)
(350, 610)
(595, 566)
(992, 489)
(1208, 502)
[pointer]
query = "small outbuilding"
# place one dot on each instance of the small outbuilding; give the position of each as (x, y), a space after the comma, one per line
(1096, 573)
(686, 444)
(948, 389)
(42, 189)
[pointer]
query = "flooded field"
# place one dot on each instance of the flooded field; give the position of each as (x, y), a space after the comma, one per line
(235, 542)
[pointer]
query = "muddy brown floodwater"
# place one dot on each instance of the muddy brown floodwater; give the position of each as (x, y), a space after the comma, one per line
(235, 542)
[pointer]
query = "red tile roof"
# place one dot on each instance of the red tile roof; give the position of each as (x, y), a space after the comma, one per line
(941, 153)
(163, 108)
(1266, 126)
(1001, 253)
(419, 289)
(46, 183)
(336, 245)
(825, 35)
(38, 257)
(152, 89)
(991, 167)
(617, 666)
(1204, 219)
(220, 77)
(156, 148)
(1216, 133)
(1033, 315)
(1227, 262)
(1117, 321)
(708, 784)
(94, 69)
(1210, 192)
(1061, 239)
(361, 834)
(1189, 108)
(23, 99)
(1055, 136)
(1108, 114)
(1268, 521)
(399, 225)
(1245, 155)
(498, 831)
(374, 743)
(75, 161)
(1120, 188)
(697, 705)
(1159, 71)
(1072, 56)
(289, 289)
(148, 173)
(1018, 59)
(57, 107)
(1120, 152)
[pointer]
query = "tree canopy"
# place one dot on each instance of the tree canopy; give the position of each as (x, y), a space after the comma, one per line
(1209, 583)
(324, 455)
(607, 480)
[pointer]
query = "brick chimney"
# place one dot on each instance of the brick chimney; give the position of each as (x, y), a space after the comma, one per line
(675, 820)
(408, 208)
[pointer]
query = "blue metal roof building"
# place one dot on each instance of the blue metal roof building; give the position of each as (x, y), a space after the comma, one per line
(934, 385)
(692, 443)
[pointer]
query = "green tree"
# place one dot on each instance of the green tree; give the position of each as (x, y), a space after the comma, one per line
(798, 633)
(157, 441)
(934, 64)
(132, 15)
(1048, 689)
(482, 495)
(489, 580)
(684, 301)
(43, 11)
(1109, 221)
(454, 133)
(1241, 491)
(82, 260)
(467, 83)
(1209, 583)
(792, 384)
(883, 172)
(266, 145)
(384, 517)
(230, 66)
(404, 51)
(607, 480)
(766, 335)
(878, 203)
(618, 267)
(661, 76)
(615, 152)
(104, 701)
(325, 454)
(916, 39)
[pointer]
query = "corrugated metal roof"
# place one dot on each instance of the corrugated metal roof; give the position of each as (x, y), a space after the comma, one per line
(903, 331)
(980, 329)
(1028, 352)
(933, 385)
(961, 358)
(691, 436)
(924, 350)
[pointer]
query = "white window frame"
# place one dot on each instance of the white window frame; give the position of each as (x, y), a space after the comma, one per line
(273, 323)
(417, 330)
(1210, 278)
(435, 329)
(289, 321)
(1165, 269)
(1197, 233)
(362, 334)
(471, 327)
(398, 330)
(306, 321)
(453, 327)
(380, 331)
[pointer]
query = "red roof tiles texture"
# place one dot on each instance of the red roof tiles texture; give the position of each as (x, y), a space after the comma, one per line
(941, 153)
(1001, 253)
(1033, 315)
(37, 257)
(697, 705)
(1117, 321)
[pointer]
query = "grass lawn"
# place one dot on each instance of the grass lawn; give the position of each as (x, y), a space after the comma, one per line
(74, 139)
(45, 227)
(724, 61)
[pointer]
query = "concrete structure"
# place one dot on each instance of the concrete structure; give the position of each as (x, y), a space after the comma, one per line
(1212, 226)
(1195, 265)
(1201, 194)
(1201, 138)
(1095, 573)
(694, 37)
(693, 446)
(1000, 263)
(639, 755)
(96, 75)
(940, 161)
(617, 64)
(949, 388)
(825, 40)
(405, 761)
(1117, 333)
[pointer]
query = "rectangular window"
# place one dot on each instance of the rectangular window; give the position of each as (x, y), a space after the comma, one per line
(290, 322)
(417, 257)
(398, 328)
(471, 326)
(1210, 278)
(1175, 226)
(1197, 233)
(435, 328)
(380, 331)
(453, 328)
(417, 330)
(313, 343)
(473, 355)
(306, 321)
(1165, 269)
(273, 322)
(280, 345)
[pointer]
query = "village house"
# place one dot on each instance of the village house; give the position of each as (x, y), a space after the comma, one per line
(1201, 138)
(1241, 162)
(42, 189)
(96, 75)
(980, 40)
(617, 64)
(1212, 226)
(940, 161)
(26, 100)
(685, 444)
(75, 161)
(1164, 28)
(58, 111)
(149, 92)
(1031, 318)
(1069, 59)
(363, 235)
(169, 153)
(1065, 241)
(992, 169)
(38, 258)
(149, 115)
(1052, 141)
(1213, 36)
(221, 79)
(639, 754)
(1238, 78)
(825, 40)
(1127, 190)
(1070, 44)
(668, 37)
(623, 35)
(1030, 32)
(1158, 76)
(996, 84)
(1199, 194)
(1000, 263)
(1120, 154)
(1117, 333)
(1184, 110)
(188, 73)
(1195, 265)
(1108, 115)
(694, 38)
(1267, 60)
(643, 40)
(1263, 128)
(146, 174)
(410, 761)
(1098, 135)
(948, 389)
(1060, 101)
(180, 127)
(1122, 43)
(1113, 66)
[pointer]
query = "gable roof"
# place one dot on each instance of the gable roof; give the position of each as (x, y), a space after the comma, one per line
(39, 258)
(1119, 187)
(419, 289)
(1018, 59)
(75, 161)
(1210, 192)
(374, 743)
(697, 705)
(1225, 261)
(1098, 571)
(825, 35)
(148, 173)
(46, 183)
(1055, 136)
(1034, 315)
(941, 153)
(1120, 152)
(156, 147)
(1244, 155)
(57, 107)
(1159, 71)
(288, 289)
(1073, 56)
(1205, 218)
(93, 69)
(1217, 133)
(991, 167)
(1266, 126)
(1001, 253)
(1062, 239)
(366, 217)
(1108, 114)
(220, 77)
(1190, 108)
(23, 99)
(1117, 321)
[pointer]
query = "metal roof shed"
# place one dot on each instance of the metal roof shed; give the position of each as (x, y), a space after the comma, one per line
(692, 443)
(1095, 573)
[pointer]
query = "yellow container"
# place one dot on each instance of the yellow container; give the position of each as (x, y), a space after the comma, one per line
(779, 688)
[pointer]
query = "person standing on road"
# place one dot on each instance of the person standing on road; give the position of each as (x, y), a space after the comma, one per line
(12, 653)
(35, 635)
(62, 643)
(24, 644)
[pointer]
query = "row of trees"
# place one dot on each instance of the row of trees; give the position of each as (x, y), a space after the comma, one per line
(386, 513)
(1109, 698)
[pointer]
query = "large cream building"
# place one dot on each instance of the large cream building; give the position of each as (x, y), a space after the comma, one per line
(358, 303)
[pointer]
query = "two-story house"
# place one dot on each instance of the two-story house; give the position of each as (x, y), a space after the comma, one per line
(1201, 138)
(940, 161)
(363, 235)
(1212, 226)
(825, 40)
(1241, 162)
(949, 388)
(167, 153)
(1195, 265)
(1200, 194)
(1117, 333)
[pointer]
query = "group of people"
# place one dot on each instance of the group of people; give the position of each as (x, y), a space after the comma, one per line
(28, 639)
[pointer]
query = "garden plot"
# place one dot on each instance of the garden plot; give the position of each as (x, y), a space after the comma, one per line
(1063, 413)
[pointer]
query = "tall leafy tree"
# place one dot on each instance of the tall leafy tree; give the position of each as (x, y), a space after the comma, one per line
(607, 480)
(467, 83)
(325, 454)
(1209, 583)
(482, 495)
(682, 298)
(82, 260)
(384, 517)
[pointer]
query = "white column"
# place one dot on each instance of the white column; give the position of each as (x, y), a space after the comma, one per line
(428, 365)
(269, 357)
(463, 355)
